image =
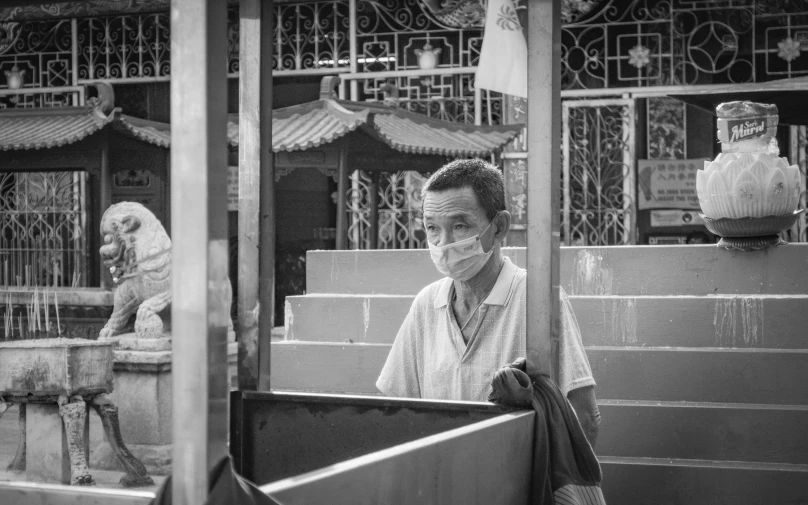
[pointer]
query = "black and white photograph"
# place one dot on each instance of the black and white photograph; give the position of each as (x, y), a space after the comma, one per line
(404, 252)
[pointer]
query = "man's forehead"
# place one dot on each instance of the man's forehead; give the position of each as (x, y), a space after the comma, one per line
(452, 202)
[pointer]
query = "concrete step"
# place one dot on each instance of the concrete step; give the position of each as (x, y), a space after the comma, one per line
(711, 431)
(621, 270)
(675, 374)
(655, 481)
(770, 321)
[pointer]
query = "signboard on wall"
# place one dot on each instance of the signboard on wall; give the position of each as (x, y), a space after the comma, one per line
(232, 188)
(667, 184)
(515, 173)
(670, 218)
(323, 157)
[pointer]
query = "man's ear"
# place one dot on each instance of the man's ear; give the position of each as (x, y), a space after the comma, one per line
(503, 225)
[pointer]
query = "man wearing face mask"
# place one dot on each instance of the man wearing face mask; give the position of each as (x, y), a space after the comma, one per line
(464, 327)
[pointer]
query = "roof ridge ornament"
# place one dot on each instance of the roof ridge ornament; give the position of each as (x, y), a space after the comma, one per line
(390, 91)
(327, 87)
(105, 100)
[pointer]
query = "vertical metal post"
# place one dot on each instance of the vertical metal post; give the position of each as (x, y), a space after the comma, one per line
(342, 195)
(74, 57)
(354, 62)
(266, 210)
(565, 143)
(200, 251)
(544, 170)
(105, 198)
(629, 171)
(249, 176)
(478, 106)
(354, 177)
(373, 202)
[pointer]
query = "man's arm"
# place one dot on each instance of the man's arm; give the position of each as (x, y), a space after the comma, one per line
(586, 407)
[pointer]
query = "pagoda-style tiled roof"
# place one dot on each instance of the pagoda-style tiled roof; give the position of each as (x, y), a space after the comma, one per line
(152, 132)
(47, 128)
(414, 133)
(295, 128)
(311, 124)
(159, 134)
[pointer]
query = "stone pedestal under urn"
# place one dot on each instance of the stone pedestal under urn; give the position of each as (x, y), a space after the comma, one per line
(137, 251)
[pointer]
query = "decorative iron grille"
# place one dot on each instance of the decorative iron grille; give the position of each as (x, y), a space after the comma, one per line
(605, 44)
(399, 200)
(311, 35)
(798, 155)
(447, 97)
(43, 240)
(41, 52)
(653, 43)
(598, 173)
(124, 47)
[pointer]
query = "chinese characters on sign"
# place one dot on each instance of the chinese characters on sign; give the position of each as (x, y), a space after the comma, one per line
(515, 172)
(667, 184)
(232, 188)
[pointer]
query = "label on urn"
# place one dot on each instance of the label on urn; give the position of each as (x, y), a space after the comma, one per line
(737, 130)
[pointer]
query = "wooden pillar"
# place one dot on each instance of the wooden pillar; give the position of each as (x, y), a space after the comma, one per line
(373, 202)
(250, 157)
(342, 195)
(105, 200)
(544, 184)
(200, 250)
(266, 224)
(167, 193)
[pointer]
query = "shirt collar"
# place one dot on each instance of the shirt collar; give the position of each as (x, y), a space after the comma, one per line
(499, 295)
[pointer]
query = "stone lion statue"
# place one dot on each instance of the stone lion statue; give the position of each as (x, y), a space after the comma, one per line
(137, 250)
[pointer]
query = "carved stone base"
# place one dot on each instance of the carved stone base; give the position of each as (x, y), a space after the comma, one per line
(156, 458)
(131, 342)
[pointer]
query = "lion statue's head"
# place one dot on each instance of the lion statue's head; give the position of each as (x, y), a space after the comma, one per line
(135, 243)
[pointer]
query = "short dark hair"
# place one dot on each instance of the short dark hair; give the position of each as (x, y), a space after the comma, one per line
(483, 178)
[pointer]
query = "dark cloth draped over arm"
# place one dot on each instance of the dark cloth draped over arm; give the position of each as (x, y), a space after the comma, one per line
(565, 468)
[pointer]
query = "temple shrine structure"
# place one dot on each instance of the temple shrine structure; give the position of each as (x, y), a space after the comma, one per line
(282, 146)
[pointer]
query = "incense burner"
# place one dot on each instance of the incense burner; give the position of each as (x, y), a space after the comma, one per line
(74, 374)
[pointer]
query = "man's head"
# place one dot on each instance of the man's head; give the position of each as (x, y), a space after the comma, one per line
(461, 200)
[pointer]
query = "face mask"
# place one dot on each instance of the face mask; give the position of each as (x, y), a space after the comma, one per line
(461, 260)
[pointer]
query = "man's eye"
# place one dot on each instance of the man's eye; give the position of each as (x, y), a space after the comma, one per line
(460, 227)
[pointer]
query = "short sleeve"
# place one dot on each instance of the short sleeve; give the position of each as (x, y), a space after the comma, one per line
(574, 370)
(401, 374)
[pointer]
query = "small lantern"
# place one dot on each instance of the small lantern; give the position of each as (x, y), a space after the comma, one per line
(427, 57)
(427, 60)
(14, 80)
(14, 77)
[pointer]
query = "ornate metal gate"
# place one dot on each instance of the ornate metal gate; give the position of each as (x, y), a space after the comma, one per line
(798, 155)
(598, 172)
(43, 240)
(399, 203)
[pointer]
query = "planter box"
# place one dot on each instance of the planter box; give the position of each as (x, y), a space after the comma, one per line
(351, 450)
(55, 366)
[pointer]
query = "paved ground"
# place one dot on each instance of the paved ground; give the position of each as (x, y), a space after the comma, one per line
(9, 433)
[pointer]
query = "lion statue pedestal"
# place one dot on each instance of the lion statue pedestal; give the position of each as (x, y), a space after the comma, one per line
(137, 251)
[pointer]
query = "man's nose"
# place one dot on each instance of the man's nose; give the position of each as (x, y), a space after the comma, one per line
(445, 238)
